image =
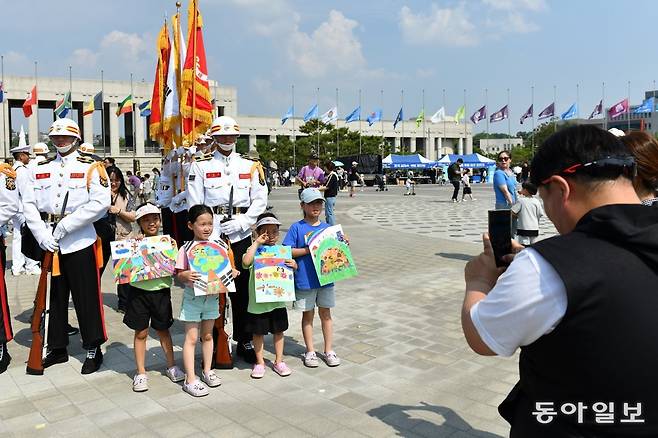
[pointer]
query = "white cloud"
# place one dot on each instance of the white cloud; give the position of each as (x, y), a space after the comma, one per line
(442, 26)
(425, 72)
(269, 18)
(131, 45)
(84, 58)
(333, 46)
(512, 5)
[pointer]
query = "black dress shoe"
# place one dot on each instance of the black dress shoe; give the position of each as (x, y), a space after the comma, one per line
(246, 350)
(58, 355)
(72, 331)
(93, 361)
(4, 362)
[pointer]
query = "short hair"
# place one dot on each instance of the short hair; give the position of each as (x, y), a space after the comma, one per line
(330, 165)
(459, 160)
(644, 148)
(196, 211)
(509, 154)
(579, 144)
(530, 187)
(110, 159)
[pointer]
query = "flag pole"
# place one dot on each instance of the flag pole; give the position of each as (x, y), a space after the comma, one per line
(381, 109)
(604, 111)
(486, 104)
(103, 115)
(444, 121)
(2, 107)
(628, 111)
(194, 22)
(36, 81)
(532, 104)
(294, 145)
(70, 92)
(404, 147)
(317, 118)
(509, 129)
(578, 101)
(426, 141)
(554, 107)
(464, 118)
(337, 139)
(132, 113)
(359, 121)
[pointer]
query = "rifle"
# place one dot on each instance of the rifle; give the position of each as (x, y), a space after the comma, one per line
(41, 314)
(223, 358)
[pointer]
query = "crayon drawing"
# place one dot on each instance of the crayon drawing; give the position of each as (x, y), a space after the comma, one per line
(211, 260)
(274, 280)
(331, 255)
(143, 259)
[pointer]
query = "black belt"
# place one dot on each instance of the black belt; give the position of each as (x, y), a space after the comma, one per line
(47, 217)
(223, 209)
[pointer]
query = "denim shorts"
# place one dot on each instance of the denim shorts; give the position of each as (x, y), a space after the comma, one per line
(308, 299)
(201, 308)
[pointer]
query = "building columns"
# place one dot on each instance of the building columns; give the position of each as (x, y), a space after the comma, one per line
(139, 134)
(33, 126)
(396, 145)
(88, 128)
(412, 145)
(273, 138)
(460, 146)
(252, 142)
(469, 145)
(113, 130)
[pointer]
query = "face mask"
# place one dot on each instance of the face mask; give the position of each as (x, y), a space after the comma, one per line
(65, 149)
(226, 147)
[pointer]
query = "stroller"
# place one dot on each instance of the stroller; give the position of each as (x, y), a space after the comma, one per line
(380, 180)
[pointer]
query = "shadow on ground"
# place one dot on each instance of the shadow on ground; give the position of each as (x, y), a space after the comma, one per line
(455, 256)
(425, 419)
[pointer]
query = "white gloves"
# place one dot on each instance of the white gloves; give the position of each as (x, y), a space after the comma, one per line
(50, 244)
(59, 232)
(230, 227)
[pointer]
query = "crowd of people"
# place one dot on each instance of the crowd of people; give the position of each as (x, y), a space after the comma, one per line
(74, 204)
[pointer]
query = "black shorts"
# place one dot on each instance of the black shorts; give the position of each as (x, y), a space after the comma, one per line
(275, 321)
(467, 190)
(146, 307)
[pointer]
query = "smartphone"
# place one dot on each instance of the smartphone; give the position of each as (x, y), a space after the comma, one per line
(500, 234)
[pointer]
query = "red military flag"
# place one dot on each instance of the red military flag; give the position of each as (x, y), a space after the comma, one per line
(31, 100)
(196, 106)
(618, 109)
(158, 96)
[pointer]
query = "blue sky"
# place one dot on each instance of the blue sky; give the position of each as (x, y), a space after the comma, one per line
(262, 47)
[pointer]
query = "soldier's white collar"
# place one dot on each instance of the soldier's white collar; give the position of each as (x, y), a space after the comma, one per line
(70, 157)
(218, 155)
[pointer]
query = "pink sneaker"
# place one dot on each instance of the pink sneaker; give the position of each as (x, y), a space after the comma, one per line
(258, 371)
(281, 369)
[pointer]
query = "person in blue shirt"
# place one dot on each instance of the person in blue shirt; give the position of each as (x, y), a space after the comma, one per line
(308, 292)
(504, 182)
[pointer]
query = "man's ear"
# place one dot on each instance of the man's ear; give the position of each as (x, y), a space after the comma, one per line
(562, 185)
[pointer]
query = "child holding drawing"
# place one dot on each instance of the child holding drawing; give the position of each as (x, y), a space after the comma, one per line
(308, 291)
(264, 318)
(198, 312)
(149, 301)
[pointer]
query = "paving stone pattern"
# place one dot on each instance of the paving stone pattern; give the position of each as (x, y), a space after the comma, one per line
(406, 370)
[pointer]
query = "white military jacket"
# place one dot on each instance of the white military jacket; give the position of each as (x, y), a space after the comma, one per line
(22, 181)
(9, 201)
(87, 184)
(210, 182)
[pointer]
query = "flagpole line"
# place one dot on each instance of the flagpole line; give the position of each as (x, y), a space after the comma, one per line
(194, 22)
(444, 122)
(317, 118)
(359, 121)
(509, 128)
(381, 109)
(336, 115)
(404, 147)
(2, 107)
(426, 134)
(628, 111)
(179, 77)
(603, 108)
(486, 116)
(578, 101)
(532, 105)
(294, 139)
(132, 113)
(36, 85)
(554, 107)
(464, 118)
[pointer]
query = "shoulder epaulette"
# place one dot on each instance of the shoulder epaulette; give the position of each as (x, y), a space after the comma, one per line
(247, 157)
(7, 170)
(85, 159)
(47, 160)
(205, 157)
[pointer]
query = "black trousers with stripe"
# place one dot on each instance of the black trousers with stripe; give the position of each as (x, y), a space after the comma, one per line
(6, 332)
(240, 298)
(79, 277)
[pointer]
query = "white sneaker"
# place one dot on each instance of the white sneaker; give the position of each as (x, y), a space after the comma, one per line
(140, 383)
(196, 388)
(331, 359)
(311, 359)
(33, 271)
(17, 273)
(175, 374)
(211, 379)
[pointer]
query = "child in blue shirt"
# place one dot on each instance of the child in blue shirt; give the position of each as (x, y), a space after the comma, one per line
(308, 292)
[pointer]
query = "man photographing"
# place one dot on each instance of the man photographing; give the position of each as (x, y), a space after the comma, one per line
(581, 305)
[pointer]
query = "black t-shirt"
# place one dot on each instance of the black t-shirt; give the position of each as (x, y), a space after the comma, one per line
(332, 186)
(454, 172)
(352, 175)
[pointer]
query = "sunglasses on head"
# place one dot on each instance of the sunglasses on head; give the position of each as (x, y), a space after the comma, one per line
(624, 164)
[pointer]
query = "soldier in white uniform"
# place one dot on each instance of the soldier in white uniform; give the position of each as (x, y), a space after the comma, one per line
(179, 205)
(8, 208)
(209, 183)
(21, 264)
(86, 184)
(40, 151)
(163, 194)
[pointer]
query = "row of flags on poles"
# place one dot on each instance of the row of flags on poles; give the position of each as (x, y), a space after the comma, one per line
(331, 116)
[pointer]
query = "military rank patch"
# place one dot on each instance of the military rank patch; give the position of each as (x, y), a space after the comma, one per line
(191, 177)
(10, 183)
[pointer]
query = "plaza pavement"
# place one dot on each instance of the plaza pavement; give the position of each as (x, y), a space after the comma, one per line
(406, 370)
